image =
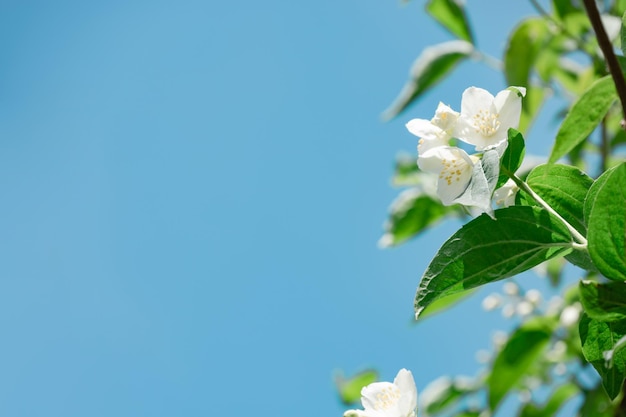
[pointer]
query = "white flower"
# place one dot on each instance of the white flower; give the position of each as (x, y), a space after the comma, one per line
(386, 399)
(505, 195)
(485, 119)
(570, 315)
(491, 302)
(436, 131)
(453, 166)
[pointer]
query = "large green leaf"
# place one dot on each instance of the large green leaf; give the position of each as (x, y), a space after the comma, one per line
(487, 250)
(598, 337)
(605, 207)
(520, 352)
(451, 15)
(584, 116)
(564, 188)
(604, 302)
(411, 213)
(431, 66)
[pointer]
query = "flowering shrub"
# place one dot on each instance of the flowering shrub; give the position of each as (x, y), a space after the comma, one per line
(524, 215)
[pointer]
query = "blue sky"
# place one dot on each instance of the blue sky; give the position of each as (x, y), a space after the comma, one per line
(192, 192)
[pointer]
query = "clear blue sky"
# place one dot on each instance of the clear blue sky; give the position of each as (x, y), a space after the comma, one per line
(192, 192)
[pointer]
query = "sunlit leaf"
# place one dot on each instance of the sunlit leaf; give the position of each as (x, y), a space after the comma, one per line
(445, 303)
(451, 15)
(585, 115)
(350, 388)
(564, 188)
(605, 207)
(487, 250)
(431, 66)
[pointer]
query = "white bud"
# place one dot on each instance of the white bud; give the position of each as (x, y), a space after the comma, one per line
(491, 302)
(483, 356)
(524, 308)
(533, 296)
(499, 338)
(560, 369)
(510, 288)
(570, 315)
(508, 311)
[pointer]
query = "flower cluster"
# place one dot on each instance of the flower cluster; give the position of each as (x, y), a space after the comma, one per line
(387, 399)
(483, 122)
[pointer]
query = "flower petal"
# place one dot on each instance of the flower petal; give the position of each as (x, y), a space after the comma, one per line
(474, 100)
(445, 118)
(379, 396)
(509, 108)
(423, 129)
(454, 167)
(408, 401)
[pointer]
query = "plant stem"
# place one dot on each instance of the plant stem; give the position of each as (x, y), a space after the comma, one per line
(581, 241)
(607, 50)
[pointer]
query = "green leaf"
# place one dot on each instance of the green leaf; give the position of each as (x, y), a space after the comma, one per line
(406, 171)
(451, 15)
(410, 214)
(598, 337)
(350, 388)
(559, 397)
(596, 403)
(604, 302)
(605, 207)
(520, 352)
(584, 116)
(431, 67)
(527, 40)
(563, 7)
(564, 188)
(522, 48)
(445, 303)
(512, 157)
(445, 392)
(487, 250)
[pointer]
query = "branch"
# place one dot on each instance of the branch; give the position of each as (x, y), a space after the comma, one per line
(607, 50)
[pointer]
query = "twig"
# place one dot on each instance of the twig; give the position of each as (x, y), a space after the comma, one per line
(607, 50)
